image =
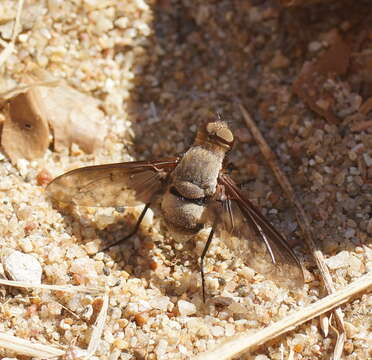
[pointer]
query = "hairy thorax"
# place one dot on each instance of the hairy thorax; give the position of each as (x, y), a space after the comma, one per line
(193, 181)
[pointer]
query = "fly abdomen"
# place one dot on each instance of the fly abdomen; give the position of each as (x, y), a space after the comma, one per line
(183, 215)
(198, 201)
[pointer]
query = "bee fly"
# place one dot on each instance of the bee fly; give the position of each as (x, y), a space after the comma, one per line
(195, 192)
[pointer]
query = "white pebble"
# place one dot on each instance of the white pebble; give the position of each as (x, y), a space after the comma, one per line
(23, 167)
(340, 260)
(229, 330)
(23, 267)
(5, 184)
(367, 159)
(148, 219)
(314, 46)
(131, 309)
(212, 283)
(160, 302)
(183, 349)
(91, 4)
(143, 305)
(161, 348)
(122, 22)
(186, 308)
(247, 273)
(84, 266)
(77, 353)
(26, 245)
(218, 331)
(261, 357)
(237, 308)
(142, 5)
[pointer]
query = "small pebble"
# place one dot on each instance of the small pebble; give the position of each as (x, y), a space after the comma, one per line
(186, 308)
(160, 303)
(44, 177)
(141, 318)
(120, 344)
(23, 267)
(279, 61)
(340, 260)
(218, 331)
(261, 357)
(87, 313)
(161, 348)
(314, 46)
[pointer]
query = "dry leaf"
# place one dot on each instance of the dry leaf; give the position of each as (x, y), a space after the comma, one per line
(73, 117)
(310, 83)
(25, 132)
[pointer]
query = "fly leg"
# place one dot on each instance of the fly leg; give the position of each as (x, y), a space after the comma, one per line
(206, 247)
(138, 223)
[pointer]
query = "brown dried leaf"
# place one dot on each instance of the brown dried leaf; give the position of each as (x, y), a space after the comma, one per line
(25, 132)
(309, 85)
(74, 117)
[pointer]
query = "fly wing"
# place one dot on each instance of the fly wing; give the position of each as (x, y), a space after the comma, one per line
(127, 183)
(251, 235)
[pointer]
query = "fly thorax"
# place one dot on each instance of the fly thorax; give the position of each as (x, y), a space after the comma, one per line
(198, 171)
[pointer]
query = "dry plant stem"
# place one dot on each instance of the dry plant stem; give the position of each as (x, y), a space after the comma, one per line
(65, 288)
(98, 327)
(25, 347)
(28, 348)
(301, 215)
(247, 340)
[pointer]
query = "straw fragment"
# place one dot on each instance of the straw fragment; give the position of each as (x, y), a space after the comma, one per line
(28, 348)
(246, 341)
(98, 327)
(302, 219)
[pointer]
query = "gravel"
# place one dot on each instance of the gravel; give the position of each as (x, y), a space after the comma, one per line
(160, 69)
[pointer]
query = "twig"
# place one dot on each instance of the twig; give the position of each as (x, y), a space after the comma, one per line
(98, 328)
(247, 340)
(301, 218)
(26, 347)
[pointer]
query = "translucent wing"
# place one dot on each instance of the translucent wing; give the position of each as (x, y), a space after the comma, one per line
(128, 183)
(259, 244)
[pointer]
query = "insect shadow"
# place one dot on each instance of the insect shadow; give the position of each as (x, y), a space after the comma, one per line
(135, 255)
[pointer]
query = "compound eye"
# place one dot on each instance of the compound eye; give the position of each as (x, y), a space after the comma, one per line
(220, 133)
(225, 135)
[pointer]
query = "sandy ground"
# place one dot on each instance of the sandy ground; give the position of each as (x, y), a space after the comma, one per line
(160, 69)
